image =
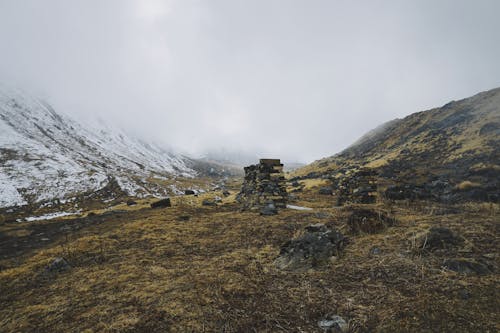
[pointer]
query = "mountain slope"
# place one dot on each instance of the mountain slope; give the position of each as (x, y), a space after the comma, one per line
(45, 155)
(454, 143)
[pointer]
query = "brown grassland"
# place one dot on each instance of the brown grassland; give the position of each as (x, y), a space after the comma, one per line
(149, 270)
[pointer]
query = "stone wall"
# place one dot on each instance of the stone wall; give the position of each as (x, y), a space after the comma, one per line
(264, 183)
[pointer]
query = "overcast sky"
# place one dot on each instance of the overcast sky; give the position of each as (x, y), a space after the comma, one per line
(298, 80)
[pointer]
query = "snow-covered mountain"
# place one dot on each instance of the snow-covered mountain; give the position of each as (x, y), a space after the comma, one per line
(46, 155)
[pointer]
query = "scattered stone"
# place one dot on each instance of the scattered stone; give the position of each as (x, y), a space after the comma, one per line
(208, 202)
(321, 215)
(313, 249)
(439, 238)
(189, 192)
(59, 264)
(161, 203)
(466, 266)
(333, 324)
(269, 209)
(263, 182)
(368, 221)
(131, 202)
(325, 190)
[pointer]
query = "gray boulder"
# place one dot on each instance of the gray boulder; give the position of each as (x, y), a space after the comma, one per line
(59, 264)
(333, 324)
(313, 249)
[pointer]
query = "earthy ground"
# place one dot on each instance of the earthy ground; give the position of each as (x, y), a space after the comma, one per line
(190, 268)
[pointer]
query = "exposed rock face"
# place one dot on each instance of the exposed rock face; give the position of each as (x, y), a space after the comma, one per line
(264, 184)
(313, 249)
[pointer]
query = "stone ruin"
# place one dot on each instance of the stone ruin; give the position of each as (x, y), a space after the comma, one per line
(360, 187)
(264, 185)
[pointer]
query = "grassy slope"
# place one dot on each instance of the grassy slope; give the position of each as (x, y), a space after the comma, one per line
(453, 134)
(145, 271)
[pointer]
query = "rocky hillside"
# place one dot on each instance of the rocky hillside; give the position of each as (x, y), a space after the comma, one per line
(46, 155)
(451, 152)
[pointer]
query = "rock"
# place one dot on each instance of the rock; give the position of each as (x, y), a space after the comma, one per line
(161, 203)
(325, 190)
(226, 193)
(375, 251)
(131, 202)
(321, 215)
(333, 324)
(295, 184)
(368, 221)
(439, 238)
(318, 227)
(466, 266)
(208, 202)
(268, 210)
(313, 249)
(189, 192)
(184, 218)
(218, 199)
(59, 264)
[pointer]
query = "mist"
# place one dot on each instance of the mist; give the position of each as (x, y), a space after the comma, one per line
(298, 80)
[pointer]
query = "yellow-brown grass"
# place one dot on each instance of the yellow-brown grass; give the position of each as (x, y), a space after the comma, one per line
(147, 271)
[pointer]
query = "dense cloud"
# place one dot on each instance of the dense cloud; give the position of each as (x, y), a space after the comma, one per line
(293, 79)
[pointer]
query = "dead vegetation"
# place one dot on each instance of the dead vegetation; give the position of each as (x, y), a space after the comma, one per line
(146, 270)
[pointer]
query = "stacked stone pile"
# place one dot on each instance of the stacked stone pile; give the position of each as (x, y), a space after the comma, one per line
(264, 184)
(360, 187)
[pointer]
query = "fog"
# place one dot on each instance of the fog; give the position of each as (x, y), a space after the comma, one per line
(297, 80)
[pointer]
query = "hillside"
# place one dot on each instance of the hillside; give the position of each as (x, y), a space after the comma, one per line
(456, 143)
(46, 155)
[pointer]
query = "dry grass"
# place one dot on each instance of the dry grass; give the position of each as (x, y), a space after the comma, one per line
(146, 271)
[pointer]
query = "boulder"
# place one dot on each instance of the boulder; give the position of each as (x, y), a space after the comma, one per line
(313, 249)
(59, 264)
(161, 203)
(131, 202)
(333, 324)
(189, 192)
(269, 209)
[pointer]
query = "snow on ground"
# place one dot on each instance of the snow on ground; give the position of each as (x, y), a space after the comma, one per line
(45, 155)
(51, 216)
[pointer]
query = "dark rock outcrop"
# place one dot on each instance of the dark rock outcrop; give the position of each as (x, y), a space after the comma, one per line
(163, 203)
(313, 249)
